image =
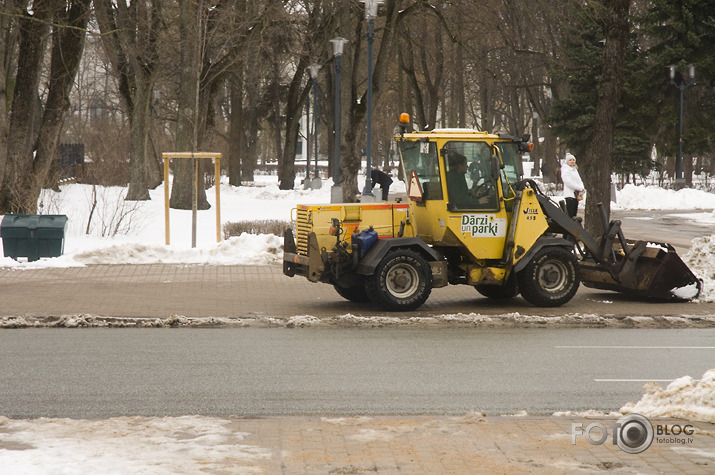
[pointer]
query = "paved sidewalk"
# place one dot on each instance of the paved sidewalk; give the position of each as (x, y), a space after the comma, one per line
(255, 292)
(450, 445)
(467, 444)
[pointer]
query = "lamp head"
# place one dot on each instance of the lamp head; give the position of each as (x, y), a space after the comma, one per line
(371, 8)
(338, 45)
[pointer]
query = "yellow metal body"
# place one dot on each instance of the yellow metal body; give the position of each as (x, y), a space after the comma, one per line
(483, 235)
(386, 218)
(530, 224)
(489, 241)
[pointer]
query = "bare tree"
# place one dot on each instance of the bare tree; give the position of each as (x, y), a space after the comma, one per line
(598, 159)
(352, 19)
(130, 33)
(422, 60)
(192, 23)
(8, 62)
(312, 45)
(35, 126)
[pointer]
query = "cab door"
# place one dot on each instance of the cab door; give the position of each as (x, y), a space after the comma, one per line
(476, 213)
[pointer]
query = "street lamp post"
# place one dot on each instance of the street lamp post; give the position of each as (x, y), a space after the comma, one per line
(314, 68)
(336, 192)
(679, 180)
(306, 182)
(370, 14)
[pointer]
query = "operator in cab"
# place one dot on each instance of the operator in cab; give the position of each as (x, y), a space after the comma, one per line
(461, 196)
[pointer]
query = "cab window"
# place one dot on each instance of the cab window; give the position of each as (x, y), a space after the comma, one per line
(421, 157)
(470, 182)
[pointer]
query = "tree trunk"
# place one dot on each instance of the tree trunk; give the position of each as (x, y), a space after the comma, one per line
(297, 94)
(68, 45)
(17, 178)
(599, 157)
(187, 124)
(249, 159)
(139, 140)
(130, 41)
(236, 132)
(8, 45)
(277, 125)
(549, 162)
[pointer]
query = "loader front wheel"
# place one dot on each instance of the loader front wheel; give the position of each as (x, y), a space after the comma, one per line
(551, 278)
(402, 281)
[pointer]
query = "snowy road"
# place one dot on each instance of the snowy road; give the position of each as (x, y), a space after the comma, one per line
(100, 373)
(678, 228)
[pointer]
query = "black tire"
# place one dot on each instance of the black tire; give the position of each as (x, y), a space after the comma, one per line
(402, 281)
(356, 294)
(500, 292)
(551, 278)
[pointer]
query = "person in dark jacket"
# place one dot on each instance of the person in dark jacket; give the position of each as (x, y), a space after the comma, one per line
(383, 179)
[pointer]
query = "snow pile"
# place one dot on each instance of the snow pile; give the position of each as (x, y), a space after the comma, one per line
(701, 260)
(169, 445)
(459, 320)
(587, 413)
(653, 197)
(246, 249)
(684, 398)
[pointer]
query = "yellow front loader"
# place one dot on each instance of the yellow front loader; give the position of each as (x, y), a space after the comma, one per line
(471, 219)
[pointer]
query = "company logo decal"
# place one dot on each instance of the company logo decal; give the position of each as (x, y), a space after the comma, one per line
(483, 225)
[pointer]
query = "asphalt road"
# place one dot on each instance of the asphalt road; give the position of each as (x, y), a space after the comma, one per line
(100, 373)
(673, 227)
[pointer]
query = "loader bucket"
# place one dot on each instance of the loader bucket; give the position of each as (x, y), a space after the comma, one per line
(650, 269)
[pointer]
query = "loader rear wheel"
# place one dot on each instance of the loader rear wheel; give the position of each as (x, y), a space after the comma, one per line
(356, 294)
(402, 281)
(551, 278)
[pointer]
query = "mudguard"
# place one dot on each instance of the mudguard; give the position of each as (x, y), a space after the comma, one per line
(378, 251)
(542, 242)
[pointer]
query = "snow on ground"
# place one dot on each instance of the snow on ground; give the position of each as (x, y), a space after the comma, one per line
(149, 445)
(653, 197)
(684, 398)
(701, 260)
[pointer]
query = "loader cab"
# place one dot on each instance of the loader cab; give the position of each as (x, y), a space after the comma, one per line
(459, 184)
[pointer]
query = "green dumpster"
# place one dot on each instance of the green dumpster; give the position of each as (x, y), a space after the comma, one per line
(33, 236)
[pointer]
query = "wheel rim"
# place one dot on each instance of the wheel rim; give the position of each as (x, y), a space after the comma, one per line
(552, 275)
(402, 280)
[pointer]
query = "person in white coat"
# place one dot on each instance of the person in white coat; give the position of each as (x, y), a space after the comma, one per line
(573, 185)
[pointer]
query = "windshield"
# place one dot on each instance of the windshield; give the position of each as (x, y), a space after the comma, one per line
(512, 172)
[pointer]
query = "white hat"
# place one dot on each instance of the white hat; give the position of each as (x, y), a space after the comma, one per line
(569, 157)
